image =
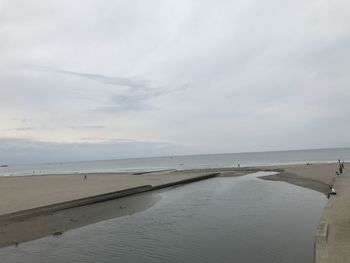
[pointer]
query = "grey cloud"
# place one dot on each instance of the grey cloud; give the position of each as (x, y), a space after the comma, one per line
(131, 93)
(131, 83)
(20, 119)
(24, 128)
(262, 74)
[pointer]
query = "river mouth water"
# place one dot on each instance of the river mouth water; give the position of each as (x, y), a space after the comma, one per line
(224, 219)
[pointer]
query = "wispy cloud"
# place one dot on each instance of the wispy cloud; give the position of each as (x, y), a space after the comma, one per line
(86, 127)
(24, 128)
(130, 93)
(131, 83)
(20, 119)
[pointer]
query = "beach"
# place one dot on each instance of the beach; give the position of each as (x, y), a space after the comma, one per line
(318, 176)
(27, 193)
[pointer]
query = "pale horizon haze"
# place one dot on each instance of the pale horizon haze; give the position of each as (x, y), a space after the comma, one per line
(86, 80)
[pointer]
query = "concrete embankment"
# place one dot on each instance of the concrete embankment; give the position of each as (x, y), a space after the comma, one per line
(332, 241)
(23, 214)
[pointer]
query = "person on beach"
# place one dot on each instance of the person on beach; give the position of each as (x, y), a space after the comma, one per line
(85, 177)
(331, 192)
(340, 169)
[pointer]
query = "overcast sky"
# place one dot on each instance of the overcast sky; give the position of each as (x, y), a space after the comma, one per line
(82, 80)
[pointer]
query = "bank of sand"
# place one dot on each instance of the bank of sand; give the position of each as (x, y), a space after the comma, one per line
(26, 192)
(21, 193)
(318, 177)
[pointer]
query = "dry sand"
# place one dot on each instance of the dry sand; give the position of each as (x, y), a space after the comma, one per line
(26, 192)
(20, 193)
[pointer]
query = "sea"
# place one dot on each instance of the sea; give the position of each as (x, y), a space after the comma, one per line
(181, 162)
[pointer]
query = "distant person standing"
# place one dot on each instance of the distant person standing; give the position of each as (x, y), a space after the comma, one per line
(332, 191)
(342, 164)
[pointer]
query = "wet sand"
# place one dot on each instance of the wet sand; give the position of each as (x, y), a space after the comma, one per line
(318, 177)
(19, 193)
(26, 192)
(15, 232)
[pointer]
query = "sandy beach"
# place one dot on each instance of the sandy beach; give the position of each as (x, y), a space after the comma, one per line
(317, 177)
(28, 192)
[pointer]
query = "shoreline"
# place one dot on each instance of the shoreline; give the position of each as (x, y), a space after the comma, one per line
(317, 176)
(26, 216)
(52, 208)
(38, 172)
(26, 225)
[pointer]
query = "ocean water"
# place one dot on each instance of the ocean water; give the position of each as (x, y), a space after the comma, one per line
(242, 220)
(183, 162)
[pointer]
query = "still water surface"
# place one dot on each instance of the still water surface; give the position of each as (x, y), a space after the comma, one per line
(243, 219)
